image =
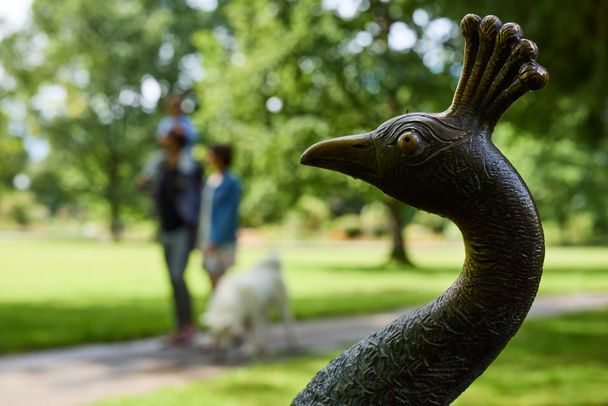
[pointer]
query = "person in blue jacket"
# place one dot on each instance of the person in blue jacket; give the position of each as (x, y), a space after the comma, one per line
(219, 213)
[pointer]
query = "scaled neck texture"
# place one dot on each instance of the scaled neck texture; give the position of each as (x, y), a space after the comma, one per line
(431, 355)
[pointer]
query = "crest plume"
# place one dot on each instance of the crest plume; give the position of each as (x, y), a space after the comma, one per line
(499, 67)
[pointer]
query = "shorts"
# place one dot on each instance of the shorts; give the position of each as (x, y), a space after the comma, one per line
(219, 260)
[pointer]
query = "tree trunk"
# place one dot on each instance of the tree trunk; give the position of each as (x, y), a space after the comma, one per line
(113, 196)
(116, 226)
(396, 219)
(396, 223)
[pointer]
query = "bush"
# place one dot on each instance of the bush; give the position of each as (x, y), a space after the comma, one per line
(432, 222)
(349, 225)
(21, 208)
(374, 219)
(307, 217)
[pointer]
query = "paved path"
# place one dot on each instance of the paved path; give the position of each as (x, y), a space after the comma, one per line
(85, 374)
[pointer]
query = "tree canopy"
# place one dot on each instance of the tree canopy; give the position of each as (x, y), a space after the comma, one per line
(272, 77)
(91, 75)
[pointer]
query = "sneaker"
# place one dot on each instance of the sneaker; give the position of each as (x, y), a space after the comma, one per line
(183, 336)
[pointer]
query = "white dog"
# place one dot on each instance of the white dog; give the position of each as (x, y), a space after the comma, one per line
(238, 310)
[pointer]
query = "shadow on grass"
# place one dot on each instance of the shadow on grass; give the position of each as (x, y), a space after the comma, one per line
(35, 326)
(49, 324)
(393, 267)
(584, 270)
(357, 303)
(557, 361)
(578, 337)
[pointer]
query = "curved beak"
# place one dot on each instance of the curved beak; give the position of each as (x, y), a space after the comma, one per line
(354, 155)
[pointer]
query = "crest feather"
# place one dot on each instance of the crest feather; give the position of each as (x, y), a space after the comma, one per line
(499, 67)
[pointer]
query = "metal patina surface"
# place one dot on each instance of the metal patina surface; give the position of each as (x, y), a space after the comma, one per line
(445, 163)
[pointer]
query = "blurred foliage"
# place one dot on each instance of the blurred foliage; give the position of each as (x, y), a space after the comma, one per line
(374, 219)
(273, 86)
(349, 225)
(573, 43)
(566, 129)
(21, 208)
(13, 159)
(273, 77)
(82, 71)
(568, 183)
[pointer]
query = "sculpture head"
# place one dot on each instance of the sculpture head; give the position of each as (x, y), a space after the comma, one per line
(426, 160)
(404, 157)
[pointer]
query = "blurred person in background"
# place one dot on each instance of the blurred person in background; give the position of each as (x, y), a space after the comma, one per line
(176, 183)
(174, 118)
(219, 213)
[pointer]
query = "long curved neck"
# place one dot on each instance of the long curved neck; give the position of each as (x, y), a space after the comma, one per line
(504, 242)
(433, 354)
(504, 247)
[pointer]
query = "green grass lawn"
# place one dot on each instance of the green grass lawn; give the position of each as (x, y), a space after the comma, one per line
(65, 292)
(557, 361)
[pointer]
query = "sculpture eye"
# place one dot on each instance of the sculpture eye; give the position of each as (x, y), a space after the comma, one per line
(409, 141)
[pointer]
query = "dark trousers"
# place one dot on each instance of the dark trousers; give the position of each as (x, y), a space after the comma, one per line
(176, 248)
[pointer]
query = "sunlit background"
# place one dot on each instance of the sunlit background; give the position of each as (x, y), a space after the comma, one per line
(82, 85)
(86, 92)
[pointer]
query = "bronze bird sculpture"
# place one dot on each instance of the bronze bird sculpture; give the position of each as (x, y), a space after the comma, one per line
(445, 163)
